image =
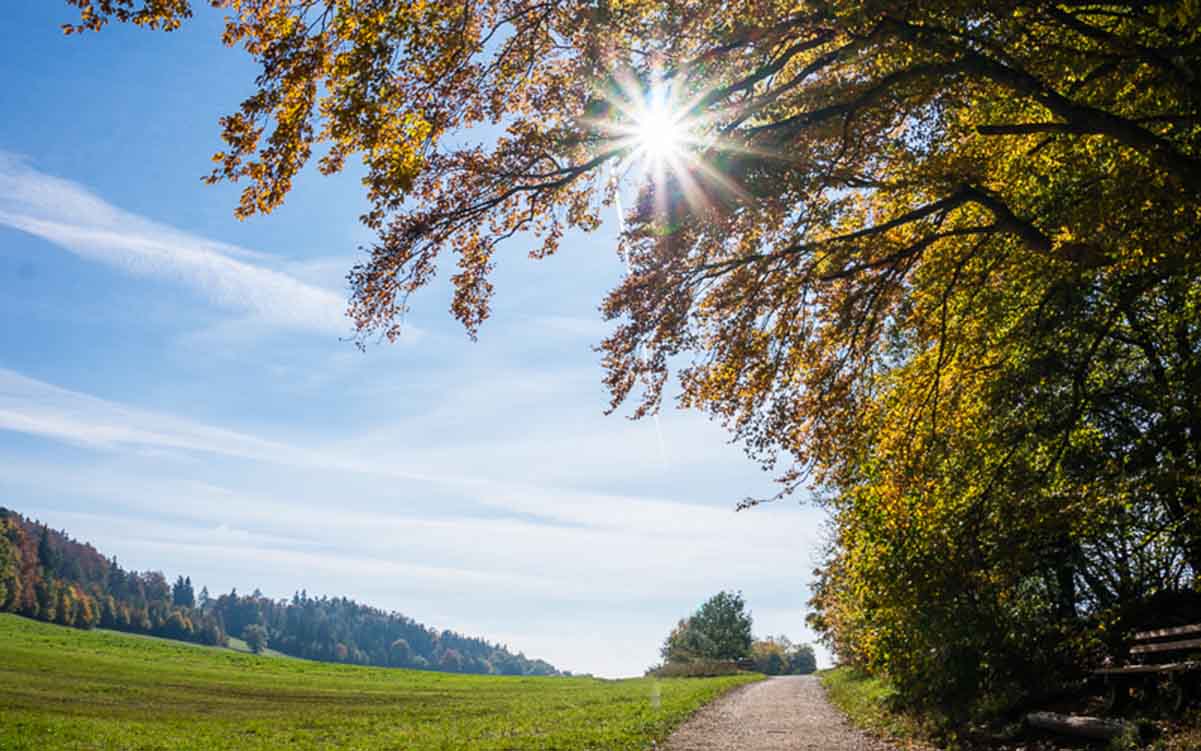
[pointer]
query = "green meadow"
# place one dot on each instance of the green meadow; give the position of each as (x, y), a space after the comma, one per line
(62, 688)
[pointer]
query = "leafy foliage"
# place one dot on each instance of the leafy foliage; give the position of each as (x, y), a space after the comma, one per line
(719, 630)
(70, 689)
(255, 637)
(725, 625)
(777, 655)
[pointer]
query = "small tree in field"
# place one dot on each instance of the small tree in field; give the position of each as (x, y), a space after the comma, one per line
(724, 621)
(255, 637)
(719, 630)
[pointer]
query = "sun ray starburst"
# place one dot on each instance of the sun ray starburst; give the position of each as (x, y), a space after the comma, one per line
(665, 135)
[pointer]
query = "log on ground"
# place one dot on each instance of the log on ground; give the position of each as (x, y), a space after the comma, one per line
(1088, 727)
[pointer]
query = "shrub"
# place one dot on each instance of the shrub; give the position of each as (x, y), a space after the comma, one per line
(694, 669)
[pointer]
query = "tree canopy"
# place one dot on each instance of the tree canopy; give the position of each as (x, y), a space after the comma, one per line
(720, 629)
(937, 260)
(255, 637)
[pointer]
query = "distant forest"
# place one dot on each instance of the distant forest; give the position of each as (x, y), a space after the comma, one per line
(47, 575)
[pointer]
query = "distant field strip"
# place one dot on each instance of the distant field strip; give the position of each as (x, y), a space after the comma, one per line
(67, 689)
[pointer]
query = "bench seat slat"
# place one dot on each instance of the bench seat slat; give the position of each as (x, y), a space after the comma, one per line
(1167, 646)
(1173, 667)
(1160, 633)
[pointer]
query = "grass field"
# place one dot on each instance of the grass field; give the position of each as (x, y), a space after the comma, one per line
(67, 689)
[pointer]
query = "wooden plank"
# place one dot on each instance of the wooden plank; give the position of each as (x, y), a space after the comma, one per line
(1167, 646)
(1161, 633)
(1171, 667)
(1088, 727)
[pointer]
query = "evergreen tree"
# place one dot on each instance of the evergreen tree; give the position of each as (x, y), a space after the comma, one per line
(46, 552)
(182, 594)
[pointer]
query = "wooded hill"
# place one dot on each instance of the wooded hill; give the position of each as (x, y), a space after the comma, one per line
(47, 575)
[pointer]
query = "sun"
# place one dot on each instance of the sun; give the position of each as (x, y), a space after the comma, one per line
(659, 130)
(651, 124)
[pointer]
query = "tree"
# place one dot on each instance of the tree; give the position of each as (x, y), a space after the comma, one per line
(938, 260)
(771, 655)
(686, 643)
(255, 637)
(46, 592)
(724, 621)
(179, 626)
(86, 613)
(777, 655)
(64, 606)
(451, 661)
(10, 566)
(802, 660)
(182, 594)
(47, 555)
(858, 144)
(400, 654)
(719, 630)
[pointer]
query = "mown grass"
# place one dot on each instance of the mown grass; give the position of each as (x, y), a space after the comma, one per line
(67, 689)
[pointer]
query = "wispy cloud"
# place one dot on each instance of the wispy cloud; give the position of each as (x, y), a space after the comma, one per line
(72, 217)
(34, 407)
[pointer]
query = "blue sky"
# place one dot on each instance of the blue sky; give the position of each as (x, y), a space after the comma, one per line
(175, 386)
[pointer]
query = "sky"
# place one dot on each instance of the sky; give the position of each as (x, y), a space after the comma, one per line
(178, 388)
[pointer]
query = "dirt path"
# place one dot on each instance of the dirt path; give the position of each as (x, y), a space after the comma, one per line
(789, 713)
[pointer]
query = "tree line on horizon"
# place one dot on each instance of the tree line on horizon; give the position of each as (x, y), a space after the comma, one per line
(338, 629)
(47, 575)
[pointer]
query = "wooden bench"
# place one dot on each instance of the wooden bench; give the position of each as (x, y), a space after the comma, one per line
(1161, 667)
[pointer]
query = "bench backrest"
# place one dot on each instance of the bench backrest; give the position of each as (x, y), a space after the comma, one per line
(1182, 638)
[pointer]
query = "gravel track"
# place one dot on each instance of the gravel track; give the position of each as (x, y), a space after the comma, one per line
(787, 713)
